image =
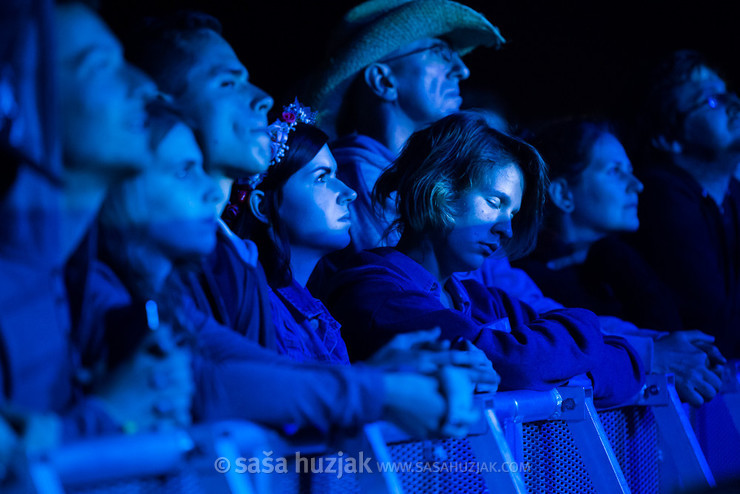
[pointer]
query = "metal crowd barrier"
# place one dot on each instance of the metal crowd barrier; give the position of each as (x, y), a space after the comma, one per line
(177, 461)
(645, 447)
(717, 427)
(525, 442)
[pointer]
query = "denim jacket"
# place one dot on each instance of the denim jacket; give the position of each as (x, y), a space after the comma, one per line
(304, 328)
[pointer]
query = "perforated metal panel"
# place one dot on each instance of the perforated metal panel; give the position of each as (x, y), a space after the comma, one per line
(183, 482)
(442, 466)
(309, 482)
(556, 464)
(633, 434)
(326, 483)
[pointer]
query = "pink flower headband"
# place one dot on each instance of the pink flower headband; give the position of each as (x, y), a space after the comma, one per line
(292, 115)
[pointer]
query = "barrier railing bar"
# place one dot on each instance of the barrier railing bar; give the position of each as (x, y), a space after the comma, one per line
(493, 446)
(590, 438)
(682, 447)
(379, 482)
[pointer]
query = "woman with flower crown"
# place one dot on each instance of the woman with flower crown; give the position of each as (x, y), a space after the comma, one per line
(297, 214)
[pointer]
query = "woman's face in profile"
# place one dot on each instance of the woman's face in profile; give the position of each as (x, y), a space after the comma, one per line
(605, 193)
(315, 206)
(180, 198)
(482, 220)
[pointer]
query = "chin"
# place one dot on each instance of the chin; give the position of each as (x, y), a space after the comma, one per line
(631, 224)
(337, 243)
(470, 265)
(257, 162)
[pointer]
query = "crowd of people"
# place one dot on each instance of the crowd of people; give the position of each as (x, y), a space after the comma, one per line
(177, 248)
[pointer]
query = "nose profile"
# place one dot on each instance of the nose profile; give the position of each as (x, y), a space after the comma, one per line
(503, 228)
(346, 194)
(212, 193)
(459, 69)
(261, 102)
(141, 85)
(635, 185)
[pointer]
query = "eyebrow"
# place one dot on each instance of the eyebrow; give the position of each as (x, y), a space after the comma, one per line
(505, 198)
(106, 49)
(322, 167)
(228, 69)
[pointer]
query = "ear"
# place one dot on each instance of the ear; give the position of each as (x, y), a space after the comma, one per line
(256, 206)
(379, 79)
(561, 195)
(662, 143)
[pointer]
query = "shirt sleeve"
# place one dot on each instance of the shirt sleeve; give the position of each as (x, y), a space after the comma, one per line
(374, 303)
(499, 273)
(238, 379)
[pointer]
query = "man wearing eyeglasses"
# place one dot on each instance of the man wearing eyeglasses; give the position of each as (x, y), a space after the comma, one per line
(394, 68)
(690, 209)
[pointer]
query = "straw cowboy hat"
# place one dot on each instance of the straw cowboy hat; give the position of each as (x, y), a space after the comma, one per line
(375, 28)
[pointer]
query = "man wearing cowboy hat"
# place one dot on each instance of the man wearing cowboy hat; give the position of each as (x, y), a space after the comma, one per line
(395, 66)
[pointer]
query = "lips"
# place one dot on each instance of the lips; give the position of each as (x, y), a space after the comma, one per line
(260, 129)
(490, 247)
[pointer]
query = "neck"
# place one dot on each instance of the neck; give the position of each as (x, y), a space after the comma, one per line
(388, 126)
(422, 251)
(579, 239)
(224, 183)
(714, 179)
(303, 260)
(82, 195)
(157, 267)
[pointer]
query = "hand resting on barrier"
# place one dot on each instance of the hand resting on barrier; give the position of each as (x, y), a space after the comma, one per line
(425, 353)
(695, 362)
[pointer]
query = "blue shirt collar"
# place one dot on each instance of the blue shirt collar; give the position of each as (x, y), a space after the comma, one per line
(424, 279)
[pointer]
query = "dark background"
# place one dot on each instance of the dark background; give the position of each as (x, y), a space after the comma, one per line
(562, 57)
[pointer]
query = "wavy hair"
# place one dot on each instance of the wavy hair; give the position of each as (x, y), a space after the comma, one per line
(452, 156)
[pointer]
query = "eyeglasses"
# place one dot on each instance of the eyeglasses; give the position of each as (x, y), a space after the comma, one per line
(441, 50)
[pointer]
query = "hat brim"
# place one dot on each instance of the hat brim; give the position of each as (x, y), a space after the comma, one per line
(461, 26)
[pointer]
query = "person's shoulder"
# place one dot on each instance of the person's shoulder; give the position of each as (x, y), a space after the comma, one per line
(383, 258)
(359, 148)
(667, 181)
(379, 264)
(235, 249)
